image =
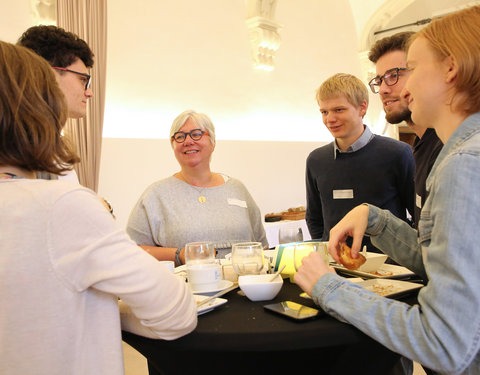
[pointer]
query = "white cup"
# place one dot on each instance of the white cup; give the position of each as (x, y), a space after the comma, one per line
(203, 277)
(169, 264)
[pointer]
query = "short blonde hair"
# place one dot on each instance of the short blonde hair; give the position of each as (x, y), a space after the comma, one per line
(342, 83)
(458, 35)
(200, 119)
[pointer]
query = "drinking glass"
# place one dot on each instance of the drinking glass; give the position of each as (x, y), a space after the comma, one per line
(290, 234)
(199, 253)
(300, 251)
(247, 258)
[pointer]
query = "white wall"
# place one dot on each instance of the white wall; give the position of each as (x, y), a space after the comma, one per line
(272, 171)
(170, 55)
(164, 57)
(167, 56)
(16, 17)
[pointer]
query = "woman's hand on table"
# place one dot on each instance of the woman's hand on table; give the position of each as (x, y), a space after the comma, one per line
(353, 224)
(313, 267)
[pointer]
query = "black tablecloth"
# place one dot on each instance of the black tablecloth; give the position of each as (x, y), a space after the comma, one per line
(242, 337)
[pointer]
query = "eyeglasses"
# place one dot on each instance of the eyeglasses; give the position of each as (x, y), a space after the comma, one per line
(390, 78)
(195, 134)
(86, 78)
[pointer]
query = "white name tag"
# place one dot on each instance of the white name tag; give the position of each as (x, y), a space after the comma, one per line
(418, 200)
(343, 194)
(237, 202)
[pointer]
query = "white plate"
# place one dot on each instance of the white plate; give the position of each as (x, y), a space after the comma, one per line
(389, 288)
(224, 284)
(209, 306)
(385, 271)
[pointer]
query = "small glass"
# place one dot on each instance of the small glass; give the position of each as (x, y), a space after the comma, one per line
(247, 258)
(300, 251)
(290, 234)
(199, 253)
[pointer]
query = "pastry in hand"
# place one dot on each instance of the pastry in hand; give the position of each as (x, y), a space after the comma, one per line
(347, 260)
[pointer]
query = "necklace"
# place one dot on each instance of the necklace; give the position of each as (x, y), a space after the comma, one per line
(201, 198)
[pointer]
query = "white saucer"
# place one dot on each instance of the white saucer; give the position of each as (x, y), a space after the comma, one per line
(209, 306)
(224, 284)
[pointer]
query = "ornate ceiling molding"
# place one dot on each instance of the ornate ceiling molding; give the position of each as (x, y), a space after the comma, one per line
(263, 32)
(378, 21)
(44, 12)
(382, 18)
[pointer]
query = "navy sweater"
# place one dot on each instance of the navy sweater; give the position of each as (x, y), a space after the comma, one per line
(380, 173)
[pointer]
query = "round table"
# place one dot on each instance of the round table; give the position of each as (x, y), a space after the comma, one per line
(242, 337)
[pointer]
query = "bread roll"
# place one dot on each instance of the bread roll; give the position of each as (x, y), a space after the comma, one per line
(347, 260)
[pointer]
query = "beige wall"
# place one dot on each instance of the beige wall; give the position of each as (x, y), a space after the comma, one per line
(16, 17)
(274, 172)
(167, 56)
(163, 58)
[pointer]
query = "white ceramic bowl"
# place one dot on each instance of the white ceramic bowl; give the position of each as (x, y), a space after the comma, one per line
(373, 263)
(257, 287)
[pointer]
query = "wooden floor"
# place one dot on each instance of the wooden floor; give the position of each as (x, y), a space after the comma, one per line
(135, 363)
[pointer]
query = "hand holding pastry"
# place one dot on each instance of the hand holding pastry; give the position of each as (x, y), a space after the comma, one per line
(352, 225)
(347, 260)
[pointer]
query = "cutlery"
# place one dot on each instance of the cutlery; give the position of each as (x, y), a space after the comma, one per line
(274, 276)
(221, 293)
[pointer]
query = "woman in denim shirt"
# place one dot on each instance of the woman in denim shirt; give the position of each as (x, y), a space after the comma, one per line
(442, 331)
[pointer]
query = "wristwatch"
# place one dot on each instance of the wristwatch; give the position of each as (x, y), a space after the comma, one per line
(178, 261)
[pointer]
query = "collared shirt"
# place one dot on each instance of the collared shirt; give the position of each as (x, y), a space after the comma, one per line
(380, 172)
(366, 137)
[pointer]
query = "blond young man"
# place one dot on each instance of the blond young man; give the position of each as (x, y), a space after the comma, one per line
(358, 166)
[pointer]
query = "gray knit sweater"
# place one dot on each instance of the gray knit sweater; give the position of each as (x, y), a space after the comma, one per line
(169, 214)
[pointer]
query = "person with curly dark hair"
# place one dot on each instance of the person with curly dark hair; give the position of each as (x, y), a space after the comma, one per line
(70, 57)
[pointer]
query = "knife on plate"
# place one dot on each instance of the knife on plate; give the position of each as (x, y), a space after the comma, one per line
(221, 293)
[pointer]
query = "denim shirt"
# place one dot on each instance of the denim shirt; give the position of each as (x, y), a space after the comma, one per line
(442, 331)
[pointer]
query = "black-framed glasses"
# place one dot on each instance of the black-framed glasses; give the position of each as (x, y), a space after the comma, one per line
(86, 78)
(390, 78)
(195, 134)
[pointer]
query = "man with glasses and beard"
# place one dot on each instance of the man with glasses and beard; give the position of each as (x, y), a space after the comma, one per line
(390, 58)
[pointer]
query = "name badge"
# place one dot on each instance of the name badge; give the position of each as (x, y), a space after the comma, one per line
(418, 200)
(343, 194)
(236, 202)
